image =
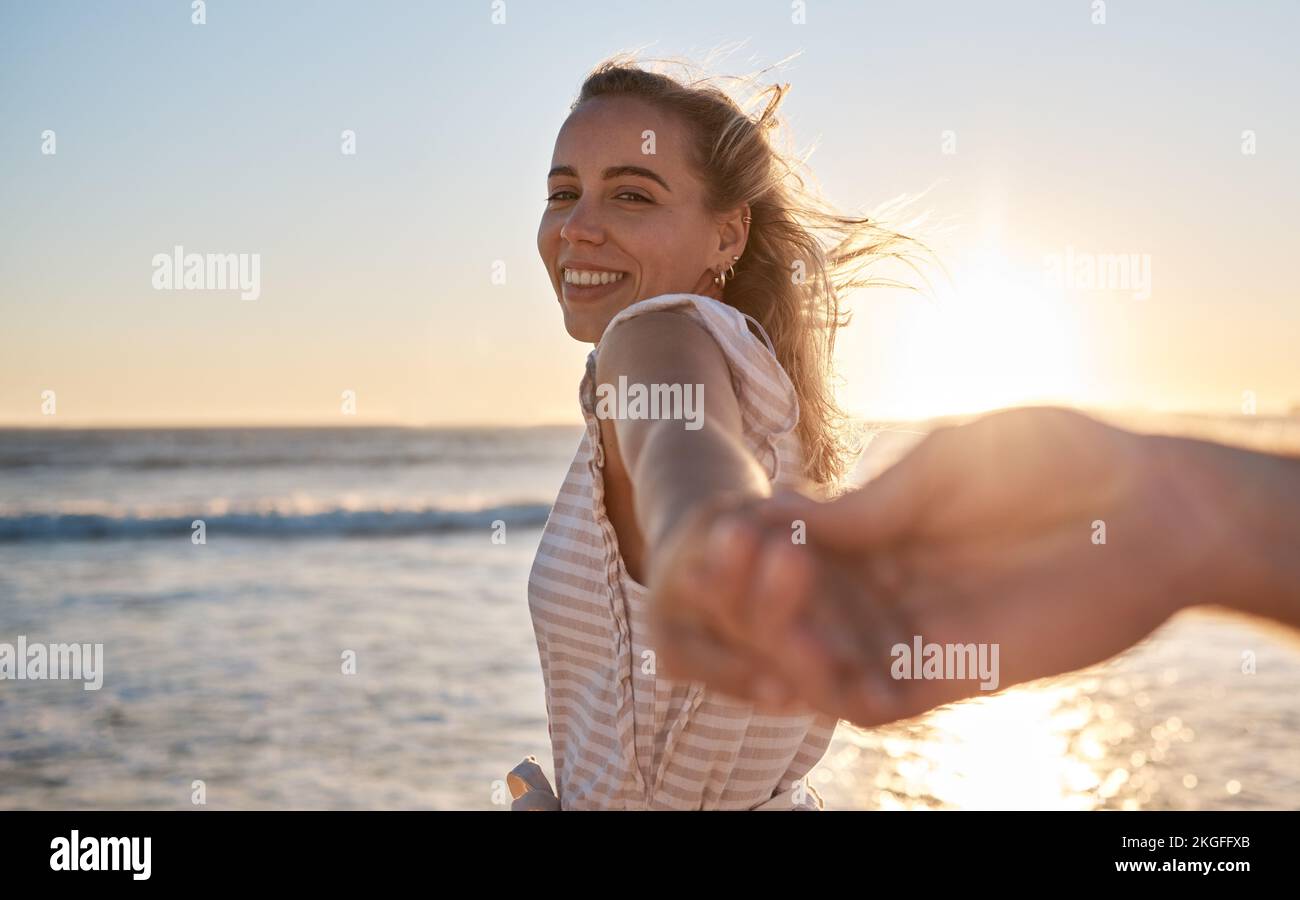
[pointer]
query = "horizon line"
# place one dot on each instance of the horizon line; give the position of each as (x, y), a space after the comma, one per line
(321, 424)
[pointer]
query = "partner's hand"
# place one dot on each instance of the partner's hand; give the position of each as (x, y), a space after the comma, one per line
(1059, 539)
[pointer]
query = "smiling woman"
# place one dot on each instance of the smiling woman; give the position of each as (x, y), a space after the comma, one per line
(660, 236)
(685, 247)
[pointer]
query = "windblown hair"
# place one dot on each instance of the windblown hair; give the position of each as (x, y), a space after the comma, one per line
(801, 256)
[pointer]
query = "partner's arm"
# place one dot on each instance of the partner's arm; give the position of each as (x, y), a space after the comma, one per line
(1188, 523)
(1250, 503)
(1056, 537)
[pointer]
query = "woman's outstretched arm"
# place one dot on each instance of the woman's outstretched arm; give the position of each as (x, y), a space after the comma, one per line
(683, 472)
(676, 466)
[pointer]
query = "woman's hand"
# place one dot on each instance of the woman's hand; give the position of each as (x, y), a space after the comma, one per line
(737, 604)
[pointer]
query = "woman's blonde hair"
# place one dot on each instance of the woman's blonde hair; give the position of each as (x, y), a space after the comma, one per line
(801, 256)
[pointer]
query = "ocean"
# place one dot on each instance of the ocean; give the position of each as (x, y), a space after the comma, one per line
(374, 548)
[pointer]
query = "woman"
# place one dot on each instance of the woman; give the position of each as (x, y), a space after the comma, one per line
(682, 245)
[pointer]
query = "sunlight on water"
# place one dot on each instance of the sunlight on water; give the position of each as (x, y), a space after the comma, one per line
(1008, 752)
(1118, 736)
(1028, 748)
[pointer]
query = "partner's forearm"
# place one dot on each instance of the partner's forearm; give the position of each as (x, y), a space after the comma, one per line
(678, 472)
(1253, 504)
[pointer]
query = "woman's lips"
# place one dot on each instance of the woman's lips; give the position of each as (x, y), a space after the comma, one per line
(578, 293)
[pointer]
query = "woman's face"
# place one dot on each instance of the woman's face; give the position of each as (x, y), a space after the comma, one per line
(622, 222)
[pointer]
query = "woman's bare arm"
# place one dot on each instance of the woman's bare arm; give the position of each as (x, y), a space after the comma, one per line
(675, 469)
(682, 478)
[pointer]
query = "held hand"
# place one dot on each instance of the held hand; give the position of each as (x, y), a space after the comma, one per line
(1058, 539)
(696, 594)
(733, 605)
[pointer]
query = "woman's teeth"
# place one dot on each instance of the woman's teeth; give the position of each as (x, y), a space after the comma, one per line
(582, 277)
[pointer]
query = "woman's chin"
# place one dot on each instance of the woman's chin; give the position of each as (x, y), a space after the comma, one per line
(587, 324)
(582, 326)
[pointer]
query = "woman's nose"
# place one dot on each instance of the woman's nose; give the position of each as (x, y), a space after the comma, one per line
(583, 224)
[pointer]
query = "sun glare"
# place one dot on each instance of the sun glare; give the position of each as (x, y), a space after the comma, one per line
(994, 335)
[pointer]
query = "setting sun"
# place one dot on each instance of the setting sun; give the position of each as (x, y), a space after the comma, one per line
(992, 334)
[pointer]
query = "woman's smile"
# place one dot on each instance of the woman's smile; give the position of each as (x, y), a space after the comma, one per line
(582, 284)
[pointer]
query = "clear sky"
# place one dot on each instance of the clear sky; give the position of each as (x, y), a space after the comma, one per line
(1066, 137)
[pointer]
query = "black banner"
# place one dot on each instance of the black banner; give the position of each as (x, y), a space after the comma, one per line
(336, 849)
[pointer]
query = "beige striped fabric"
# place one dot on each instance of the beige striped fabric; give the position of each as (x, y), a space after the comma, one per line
(622, 737)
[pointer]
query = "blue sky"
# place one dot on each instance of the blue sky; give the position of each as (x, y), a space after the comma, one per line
(1123, 137)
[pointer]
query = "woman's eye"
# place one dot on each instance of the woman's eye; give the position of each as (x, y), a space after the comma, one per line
(621, 195)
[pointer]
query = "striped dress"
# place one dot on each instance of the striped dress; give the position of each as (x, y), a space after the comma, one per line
(623, 737)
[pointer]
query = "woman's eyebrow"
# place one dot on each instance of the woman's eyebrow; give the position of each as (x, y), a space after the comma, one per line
(614, 172)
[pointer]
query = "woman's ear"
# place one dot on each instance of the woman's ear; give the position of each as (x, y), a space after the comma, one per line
(733, 233)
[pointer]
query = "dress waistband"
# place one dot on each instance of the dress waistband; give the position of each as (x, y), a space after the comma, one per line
(531, 791)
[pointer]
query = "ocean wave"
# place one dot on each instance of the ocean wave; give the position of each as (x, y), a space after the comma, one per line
(149, 450)
(150, 463)
(270, 524)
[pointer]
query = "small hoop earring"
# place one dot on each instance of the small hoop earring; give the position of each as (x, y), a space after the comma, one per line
(720, 279)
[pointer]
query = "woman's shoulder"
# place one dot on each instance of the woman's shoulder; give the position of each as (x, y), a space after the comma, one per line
(654, 336)
(666, 334)
(681, 320)
(669, 316)
(694, 306)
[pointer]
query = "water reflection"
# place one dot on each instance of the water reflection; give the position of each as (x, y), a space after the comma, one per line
(1173, 724)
